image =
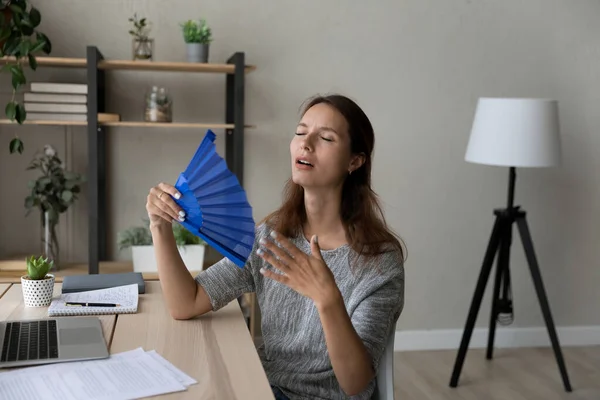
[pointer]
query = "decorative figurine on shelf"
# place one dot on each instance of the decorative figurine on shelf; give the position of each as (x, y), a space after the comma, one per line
(158, 105)
(52, 193)
(197, 36)
(142, 44)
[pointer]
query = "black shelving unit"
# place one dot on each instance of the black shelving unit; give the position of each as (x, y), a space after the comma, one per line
(96, 131)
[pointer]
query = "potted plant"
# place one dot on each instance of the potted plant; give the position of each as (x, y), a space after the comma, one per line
(197, 36)
(142, 44)
(139, 239)
(38, 284)
(20, 41)
(52, 193)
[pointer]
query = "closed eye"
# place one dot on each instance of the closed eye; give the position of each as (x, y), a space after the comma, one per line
(322, 137)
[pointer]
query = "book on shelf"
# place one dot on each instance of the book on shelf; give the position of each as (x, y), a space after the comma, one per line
(55, 98)
(41, 116)
(56, 108)
(59, 87)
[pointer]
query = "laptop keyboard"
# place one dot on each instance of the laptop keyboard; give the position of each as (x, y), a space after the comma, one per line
(30, 340)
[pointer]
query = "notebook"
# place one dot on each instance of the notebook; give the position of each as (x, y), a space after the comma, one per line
(125, 296)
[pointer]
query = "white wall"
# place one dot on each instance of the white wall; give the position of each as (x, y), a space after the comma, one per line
(417, 67)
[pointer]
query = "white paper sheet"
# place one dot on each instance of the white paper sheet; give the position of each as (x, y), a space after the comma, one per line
(181, 377)
(131, 375)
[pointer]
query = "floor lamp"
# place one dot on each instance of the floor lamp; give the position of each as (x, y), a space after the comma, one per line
(511, 133)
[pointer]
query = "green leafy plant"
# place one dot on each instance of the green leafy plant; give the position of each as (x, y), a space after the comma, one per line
(52, 192)
(141, 28)
(19, 42)
(135, 236)
(184, 237)
(38, 268)
(142, 45)
(196, 31)
(141, 236)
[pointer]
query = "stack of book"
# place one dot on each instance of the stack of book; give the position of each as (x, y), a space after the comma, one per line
(48, 101)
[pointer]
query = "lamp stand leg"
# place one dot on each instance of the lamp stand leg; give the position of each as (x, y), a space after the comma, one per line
(484, 274)
(541, 293)
(502, 258)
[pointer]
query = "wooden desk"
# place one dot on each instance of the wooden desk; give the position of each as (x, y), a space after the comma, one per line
(12, 270)
(215, 349)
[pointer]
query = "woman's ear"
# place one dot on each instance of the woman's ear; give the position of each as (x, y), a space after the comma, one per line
(356, 162)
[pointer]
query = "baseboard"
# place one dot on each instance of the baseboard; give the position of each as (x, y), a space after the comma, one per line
(444, 339)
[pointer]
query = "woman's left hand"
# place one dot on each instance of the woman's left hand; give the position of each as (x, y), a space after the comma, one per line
(307, 274)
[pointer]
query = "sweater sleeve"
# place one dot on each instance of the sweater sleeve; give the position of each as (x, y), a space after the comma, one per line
(225, 281)
(375, 317)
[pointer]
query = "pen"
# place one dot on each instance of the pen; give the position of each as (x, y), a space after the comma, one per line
(70, 303)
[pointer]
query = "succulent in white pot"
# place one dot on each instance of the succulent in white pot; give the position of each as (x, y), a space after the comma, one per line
(139, 239)
(38, 284)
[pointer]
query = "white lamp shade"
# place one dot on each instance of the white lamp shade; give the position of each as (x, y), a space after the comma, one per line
(515, 133)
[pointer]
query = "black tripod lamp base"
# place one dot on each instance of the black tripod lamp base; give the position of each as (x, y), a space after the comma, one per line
(499, 243)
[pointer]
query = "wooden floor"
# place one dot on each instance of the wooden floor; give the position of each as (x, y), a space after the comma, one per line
(513, 374)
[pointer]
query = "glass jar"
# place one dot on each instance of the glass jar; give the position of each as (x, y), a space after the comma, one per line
(158, 105)
(142, 49)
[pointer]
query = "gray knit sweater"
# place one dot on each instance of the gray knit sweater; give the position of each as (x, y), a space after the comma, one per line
(294, 354)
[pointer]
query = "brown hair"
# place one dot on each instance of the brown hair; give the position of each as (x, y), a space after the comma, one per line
(366, 229)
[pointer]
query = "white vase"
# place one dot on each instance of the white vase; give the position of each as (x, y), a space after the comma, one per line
(37, 293)
(144, 259)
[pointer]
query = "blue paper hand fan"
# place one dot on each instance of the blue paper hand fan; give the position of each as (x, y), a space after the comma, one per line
(215, 204)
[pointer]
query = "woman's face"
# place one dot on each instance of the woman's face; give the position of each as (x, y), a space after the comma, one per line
(320, 149)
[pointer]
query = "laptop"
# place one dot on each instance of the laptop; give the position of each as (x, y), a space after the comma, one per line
(46, 341)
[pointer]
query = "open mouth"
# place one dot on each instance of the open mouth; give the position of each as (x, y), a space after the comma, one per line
(304, 162)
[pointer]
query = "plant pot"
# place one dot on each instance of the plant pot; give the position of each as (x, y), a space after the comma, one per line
(144, 259)
(37, 293)
(197, 52)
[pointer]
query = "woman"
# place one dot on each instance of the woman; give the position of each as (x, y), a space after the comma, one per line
(329, 304)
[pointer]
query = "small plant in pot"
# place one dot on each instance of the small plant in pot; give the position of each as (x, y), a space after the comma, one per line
(142, 44)
(197, 36)
(38, 284)
(139, 239)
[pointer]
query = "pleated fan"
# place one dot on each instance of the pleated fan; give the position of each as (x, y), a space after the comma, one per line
(216, 206)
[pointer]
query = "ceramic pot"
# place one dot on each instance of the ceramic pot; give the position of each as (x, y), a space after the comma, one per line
(37, 293)
(144, 259)
(197, 52)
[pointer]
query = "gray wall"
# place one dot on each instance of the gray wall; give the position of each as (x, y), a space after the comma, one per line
(417, 67)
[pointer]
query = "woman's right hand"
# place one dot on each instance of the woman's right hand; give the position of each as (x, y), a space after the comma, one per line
(161, 207)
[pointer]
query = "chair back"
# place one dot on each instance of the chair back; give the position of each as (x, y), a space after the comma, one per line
(385, 376)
